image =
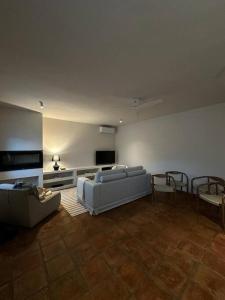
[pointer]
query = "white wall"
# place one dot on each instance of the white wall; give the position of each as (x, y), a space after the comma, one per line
(20, 129)
(192, 142)
(75, 142)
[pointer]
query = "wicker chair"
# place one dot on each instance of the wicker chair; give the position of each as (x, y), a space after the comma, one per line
(213, 193)
(167, 186)
(181, 180)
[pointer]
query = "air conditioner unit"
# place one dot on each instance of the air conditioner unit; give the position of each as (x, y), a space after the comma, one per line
(106, 129)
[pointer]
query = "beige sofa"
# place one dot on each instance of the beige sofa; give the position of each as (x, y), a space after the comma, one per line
(23, 207)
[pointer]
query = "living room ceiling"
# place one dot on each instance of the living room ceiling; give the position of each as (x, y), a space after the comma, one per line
(87, 59)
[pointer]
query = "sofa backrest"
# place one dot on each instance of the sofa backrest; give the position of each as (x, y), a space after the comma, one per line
(136, 173)
(112, 177)
(108, 172)
(131, 169)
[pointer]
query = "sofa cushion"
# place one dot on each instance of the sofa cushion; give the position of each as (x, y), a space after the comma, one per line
(6, 186)
(108, 172)
(41, 193)
(112, 177)
(131, 169)
(136, 173)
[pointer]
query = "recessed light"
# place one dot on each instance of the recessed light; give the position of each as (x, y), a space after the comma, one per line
(41, 104)
(121, 121)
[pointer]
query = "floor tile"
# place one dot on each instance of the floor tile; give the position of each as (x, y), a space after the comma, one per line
(213, 261)
(83, 252)
(53, 249)
(48, 238)
(218, 246)
(133, 276)
(59, 266)
(115, 257)
(170, 277)
(26, 262)
(70, 286)
(41, 295)
(95, 271)
(195, 251)
(6, 269)
(110, 289)
(153, 292)
(101, 241)
(194, 291)
(29, 283)
(210, 281)
(6, 292)
(75, 238)
(181, 260)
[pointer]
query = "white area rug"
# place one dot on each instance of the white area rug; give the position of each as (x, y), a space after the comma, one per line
(70, 203)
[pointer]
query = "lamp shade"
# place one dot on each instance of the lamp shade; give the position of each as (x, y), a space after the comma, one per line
(55, 157)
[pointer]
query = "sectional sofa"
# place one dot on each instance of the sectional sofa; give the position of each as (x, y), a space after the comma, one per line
(115, 187)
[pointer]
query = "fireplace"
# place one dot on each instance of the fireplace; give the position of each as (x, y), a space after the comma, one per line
(20, 160)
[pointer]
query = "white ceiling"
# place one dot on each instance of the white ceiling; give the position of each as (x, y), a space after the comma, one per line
(85, 59)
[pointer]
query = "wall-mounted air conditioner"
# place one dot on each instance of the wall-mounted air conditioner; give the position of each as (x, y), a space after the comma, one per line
(107, 129)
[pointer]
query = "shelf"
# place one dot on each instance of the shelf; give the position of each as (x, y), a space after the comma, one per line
(68, 178)
(58, 172)
(58, 179)
(66, 186)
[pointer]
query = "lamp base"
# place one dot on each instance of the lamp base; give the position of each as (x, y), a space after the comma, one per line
(56, 167)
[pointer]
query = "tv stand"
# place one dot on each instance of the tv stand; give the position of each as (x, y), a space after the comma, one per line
(62, 179)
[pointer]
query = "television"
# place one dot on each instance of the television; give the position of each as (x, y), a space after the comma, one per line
(105, 157)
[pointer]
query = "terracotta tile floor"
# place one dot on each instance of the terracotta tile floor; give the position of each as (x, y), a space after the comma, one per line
(143, 250)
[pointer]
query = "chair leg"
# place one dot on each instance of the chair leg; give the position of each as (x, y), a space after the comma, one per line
(153, 196)
(198, 204)
(223, 217)
(187, 196)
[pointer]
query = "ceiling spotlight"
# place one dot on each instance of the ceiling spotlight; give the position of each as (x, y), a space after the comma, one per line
(41, 104)
(121, 121)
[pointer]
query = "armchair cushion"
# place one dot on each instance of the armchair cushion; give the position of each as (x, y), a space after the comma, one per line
(213, 199)
(180, 183)
(163, 188)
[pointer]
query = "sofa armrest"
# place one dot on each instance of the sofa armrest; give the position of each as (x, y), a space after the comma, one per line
(54, 196)
(92, 192)
(38, 210)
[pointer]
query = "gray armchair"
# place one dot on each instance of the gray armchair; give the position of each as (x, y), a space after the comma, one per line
(24, 208)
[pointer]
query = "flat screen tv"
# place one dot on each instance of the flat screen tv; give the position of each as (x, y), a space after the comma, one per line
(105, 157)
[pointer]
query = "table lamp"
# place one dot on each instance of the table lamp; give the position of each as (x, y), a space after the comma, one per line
(56, 158)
